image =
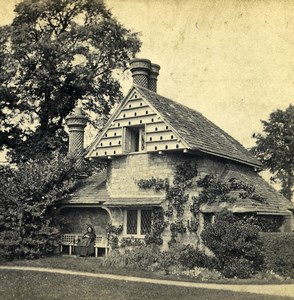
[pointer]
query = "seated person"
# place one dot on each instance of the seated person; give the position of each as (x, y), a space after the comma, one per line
(85, 246)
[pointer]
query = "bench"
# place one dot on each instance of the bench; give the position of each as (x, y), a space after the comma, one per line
(71, 241)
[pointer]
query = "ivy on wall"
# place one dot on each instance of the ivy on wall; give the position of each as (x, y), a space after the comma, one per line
(112, 235)
(177, 198)
(214, 191)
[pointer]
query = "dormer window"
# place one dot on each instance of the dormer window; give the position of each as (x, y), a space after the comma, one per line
(134, 139)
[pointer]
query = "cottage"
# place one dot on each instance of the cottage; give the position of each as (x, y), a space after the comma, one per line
(145, 143)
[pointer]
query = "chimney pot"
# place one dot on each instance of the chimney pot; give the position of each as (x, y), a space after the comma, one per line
(154, 72)
(140, 69)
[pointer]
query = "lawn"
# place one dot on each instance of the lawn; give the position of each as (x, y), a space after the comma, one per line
(94, 265)
(35, 285)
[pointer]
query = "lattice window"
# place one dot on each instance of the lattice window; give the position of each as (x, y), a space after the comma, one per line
(145, 221)
(132, 218)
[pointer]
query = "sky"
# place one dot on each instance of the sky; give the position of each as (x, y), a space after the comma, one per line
(231, 60)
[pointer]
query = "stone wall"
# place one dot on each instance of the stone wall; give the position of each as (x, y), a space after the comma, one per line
(77, 218)
(124, 172)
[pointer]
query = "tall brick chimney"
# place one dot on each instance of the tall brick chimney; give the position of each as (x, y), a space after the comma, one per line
(140, 68)
(144, 73)
(154, 72)
(76, 123)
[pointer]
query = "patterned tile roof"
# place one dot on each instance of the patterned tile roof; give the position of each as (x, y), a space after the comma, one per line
(197, 131)
(91, 190)
(274, 203)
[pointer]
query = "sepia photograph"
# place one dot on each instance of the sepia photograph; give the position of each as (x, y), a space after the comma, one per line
(147, 149)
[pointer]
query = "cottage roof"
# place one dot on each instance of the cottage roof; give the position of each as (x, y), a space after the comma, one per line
(274, 202)
(197, 131)
(93, 190)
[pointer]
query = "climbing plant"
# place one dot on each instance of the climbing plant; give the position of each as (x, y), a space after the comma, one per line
(177, 198)
(112, 235)
(214, 190)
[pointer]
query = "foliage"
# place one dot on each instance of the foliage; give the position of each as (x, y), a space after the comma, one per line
(176, 197)
(275, 148)
(190, 257)
(112, 234)
(184, 174)
(232, 240)
(263, 223)
(158, 225)
(54, 54)
(131, 242)
(217, 191)
(278, 252)
(157, 184)
(29, 222)
(142, 258)
(166, 261)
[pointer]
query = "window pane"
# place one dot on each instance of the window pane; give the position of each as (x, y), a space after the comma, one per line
(131, 222)
(145, 221)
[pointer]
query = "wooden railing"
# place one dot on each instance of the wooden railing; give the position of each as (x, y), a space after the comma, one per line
(71, 240)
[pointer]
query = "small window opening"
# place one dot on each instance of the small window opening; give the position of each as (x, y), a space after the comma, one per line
(134, 139)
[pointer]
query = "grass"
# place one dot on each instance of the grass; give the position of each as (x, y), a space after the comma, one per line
(35, 285)
(94, 265)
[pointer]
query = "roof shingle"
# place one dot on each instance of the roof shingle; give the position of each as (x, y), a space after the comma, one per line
(200, 133)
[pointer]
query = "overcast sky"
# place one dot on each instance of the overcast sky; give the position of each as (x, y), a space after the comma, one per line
(233, 61)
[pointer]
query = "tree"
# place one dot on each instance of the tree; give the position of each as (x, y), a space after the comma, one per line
(275, 148)
(29, 222)
(54, 54)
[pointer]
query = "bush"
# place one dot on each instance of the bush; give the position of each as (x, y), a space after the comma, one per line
(278, 252)
(142, 258)
(232, 240)
(238, 267)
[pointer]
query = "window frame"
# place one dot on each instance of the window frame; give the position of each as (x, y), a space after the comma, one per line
(141, 128)
(139, 222)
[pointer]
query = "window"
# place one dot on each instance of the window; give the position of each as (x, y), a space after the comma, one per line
(138, 221)
(134, 139)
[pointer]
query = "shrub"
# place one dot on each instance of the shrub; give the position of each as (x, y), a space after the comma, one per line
(29, 222)
(231, 240)
(278, 252)
(238, 267)
(142, 258)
